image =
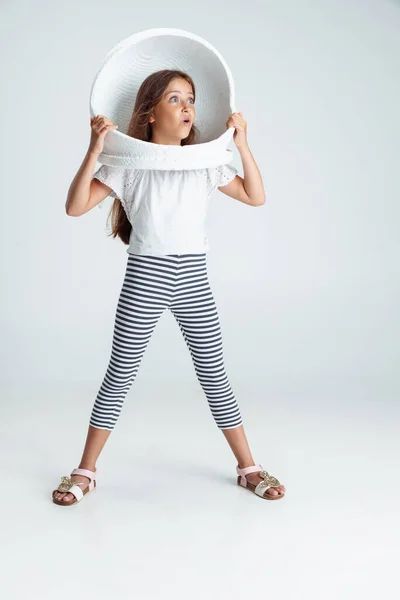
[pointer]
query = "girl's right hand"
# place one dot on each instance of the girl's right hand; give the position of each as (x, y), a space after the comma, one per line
(99, 126)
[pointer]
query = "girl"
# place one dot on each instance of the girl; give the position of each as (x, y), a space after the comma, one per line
(160, 215)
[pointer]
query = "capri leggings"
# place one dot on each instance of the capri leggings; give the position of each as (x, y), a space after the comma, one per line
(152, 284)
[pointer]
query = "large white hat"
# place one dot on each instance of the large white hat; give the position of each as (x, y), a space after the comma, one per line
(117, 82)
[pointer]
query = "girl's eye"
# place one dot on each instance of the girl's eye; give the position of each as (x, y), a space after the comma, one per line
(172, 97)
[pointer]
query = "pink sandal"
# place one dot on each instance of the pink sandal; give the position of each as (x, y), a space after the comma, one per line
(263, 486)
(73, 487)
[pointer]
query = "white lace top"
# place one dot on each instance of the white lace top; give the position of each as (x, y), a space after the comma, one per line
(166, 208)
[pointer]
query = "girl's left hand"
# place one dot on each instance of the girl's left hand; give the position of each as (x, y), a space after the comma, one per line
(237, 121)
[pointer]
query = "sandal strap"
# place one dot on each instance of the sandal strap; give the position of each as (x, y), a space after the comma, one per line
(86, 473)
(70, 487)
(261, 488)
(76, 491)
(243, 472)
(246, 470)
(269, 481)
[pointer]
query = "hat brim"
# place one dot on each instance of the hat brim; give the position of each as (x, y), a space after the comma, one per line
(115, 86)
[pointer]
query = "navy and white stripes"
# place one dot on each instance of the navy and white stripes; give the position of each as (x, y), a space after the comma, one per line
(152, 284)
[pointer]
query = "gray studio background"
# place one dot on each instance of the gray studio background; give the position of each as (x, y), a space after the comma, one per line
(307, 291)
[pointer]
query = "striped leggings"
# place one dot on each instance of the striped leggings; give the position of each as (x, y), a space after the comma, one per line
(152, 284)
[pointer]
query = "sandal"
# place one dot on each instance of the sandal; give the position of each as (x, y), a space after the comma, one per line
(263, 486)
(73, 487)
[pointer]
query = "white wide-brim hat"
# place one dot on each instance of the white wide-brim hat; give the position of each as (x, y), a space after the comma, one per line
(117, 82)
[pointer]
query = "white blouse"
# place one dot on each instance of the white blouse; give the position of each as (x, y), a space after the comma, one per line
(166, 208)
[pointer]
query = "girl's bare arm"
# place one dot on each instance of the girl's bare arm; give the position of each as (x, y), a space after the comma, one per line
(84, 192)
(249, 190)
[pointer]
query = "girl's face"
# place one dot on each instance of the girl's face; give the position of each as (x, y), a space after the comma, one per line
(175, 107)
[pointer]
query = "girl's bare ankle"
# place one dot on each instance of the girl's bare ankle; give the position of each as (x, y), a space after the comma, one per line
(88, 467)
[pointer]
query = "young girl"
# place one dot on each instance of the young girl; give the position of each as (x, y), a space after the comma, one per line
(160, 215)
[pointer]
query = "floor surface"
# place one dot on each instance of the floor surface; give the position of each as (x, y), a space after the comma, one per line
(167, 519)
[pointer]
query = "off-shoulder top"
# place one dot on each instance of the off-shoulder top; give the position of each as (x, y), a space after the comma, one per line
(166, 208)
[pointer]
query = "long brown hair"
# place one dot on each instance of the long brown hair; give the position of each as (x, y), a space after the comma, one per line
(148, 96)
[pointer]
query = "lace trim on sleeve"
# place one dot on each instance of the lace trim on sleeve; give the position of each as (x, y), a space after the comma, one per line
(127, 184)
(225, 174)
(129, 190)
(103, 175)
(218, 176)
